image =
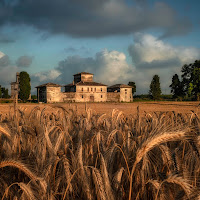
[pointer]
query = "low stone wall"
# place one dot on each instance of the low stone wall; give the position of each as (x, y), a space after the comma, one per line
(113, 96)
(69, 96)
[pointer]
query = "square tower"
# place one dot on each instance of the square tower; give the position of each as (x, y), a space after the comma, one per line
(83, 76)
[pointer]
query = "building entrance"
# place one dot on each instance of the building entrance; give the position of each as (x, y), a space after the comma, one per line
(92, 98)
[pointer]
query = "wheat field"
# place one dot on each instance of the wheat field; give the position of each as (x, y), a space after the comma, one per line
(55, 153)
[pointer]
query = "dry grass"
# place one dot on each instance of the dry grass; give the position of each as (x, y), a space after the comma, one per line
(55, 152)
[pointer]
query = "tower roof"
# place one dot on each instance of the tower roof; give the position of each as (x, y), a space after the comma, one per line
(49, 85)
(83, 73)
(120, 86)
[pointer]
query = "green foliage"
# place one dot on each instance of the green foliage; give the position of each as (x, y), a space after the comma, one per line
(176, 87)
(0, 92)
(190, 89)
(196, 82)
(24, 86)
(191, 79)
(155, 90)
(4, 92)
(34, 97)
(133, 86)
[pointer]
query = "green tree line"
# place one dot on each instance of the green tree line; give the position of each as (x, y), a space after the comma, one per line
(185, 87)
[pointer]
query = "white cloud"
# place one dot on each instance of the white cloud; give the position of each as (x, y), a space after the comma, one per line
(149, 52)
(113, 67)
(45, 76)
(152, 56)
(1, 54)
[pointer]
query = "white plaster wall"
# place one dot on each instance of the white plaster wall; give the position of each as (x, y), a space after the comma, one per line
(90, 93)
(126, 94)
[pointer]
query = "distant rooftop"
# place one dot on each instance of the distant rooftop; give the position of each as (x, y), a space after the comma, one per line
(120, 86)
(86, 84)
(90, 83)
(49, 85)
(83, 73)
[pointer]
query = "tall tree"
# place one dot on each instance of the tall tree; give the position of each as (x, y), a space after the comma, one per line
(24, 86)
(155, 90)
(191, 78)
(133, 86)
(4, 93)
(176, 87)
(196, 82)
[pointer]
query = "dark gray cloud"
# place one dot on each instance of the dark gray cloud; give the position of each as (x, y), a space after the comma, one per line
(5, 39)
(24, 61)
(4, 61)
(82, 50)
(93, 18)
(160, 64)
(73, 65)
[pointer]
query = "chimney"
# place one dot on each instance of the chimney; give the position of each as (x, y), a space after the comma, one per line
(17, 77)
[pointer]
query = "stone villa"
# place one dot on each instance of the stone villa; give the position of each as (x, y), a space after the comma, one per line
(84, 89)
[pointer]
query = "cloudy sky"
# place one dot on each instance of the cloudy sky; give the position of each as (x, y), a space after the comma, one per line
(117, 40)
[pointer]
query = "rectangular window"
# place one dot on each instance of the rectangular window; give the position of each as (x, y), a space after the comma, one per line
(82, 96)
(125, 89)
(88, 89)
(95, 89)
(82, 89)
(101, 96)
(101, 90)
(91, 89)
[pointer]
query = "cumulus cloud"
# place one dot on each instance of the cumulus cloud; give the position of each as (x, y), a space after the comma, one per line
(113, 67)
(149, 52)
(45, 76)
(109, 67)
(1, 54)
(8, 71)
(4, 61)
(151, 56)
(94, 18)
(24, 61)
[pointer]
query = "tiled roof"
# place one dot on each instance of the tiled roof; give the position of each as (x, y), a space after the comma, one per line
(83, 73)
(90, 83)
(120, 86)
(86, 84)
(69, 85)
(13, 83)
(49, 85)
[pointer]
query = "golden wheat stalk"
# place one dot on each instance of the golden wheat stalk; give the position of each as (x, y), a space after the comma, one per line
(149, 144)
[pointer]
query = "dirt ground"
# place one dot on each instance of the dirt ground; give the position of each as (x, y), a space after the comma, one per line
(126, 108)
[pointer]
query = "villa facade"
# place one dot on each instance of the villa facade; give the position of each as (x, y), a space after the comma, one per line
(84, 89)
